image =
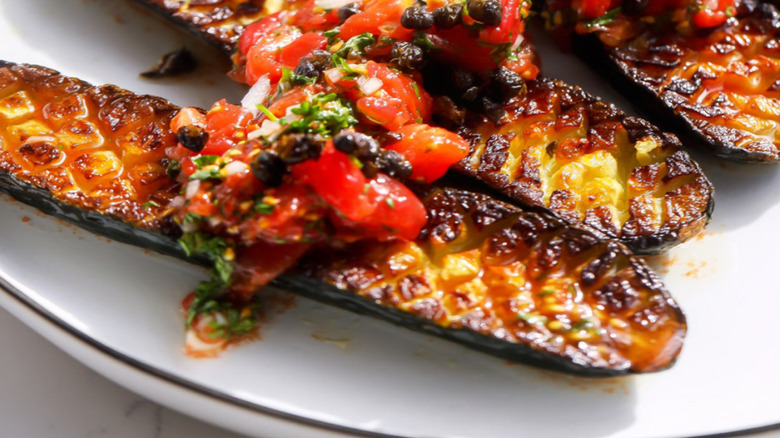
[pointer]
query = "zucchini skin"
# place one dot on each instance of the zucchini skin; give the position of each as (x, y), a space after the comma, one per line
(585, 271)
(670, 80)
(560, 149)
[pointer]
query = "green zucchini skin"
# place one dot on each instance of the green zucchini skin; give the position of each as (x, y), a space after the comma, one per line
(582, 269)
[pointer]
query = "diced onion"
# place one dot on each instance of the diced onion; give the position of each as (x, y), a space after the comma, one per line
(176, 202)
(369, 86)
(334, 74)
(235, 167)
(331, 4)
(267, 129)
(257, 95)
(192, 189)
(518, 41)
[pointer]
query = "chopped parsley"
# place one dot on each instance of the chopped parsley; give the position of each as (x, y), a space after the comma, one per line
(603, 20)
(292, 78)
(357, 45)
(326, 114)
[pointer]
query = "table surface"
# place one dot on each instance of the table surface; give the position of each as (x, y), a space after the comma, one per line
(47, 393)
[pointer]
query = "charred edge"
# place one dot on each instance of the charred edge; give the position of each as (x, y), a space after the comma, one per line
(657, 108)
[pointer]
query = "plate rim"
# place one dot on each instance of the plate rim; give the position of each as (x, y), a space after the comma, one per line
(219, 396)
(181, 382)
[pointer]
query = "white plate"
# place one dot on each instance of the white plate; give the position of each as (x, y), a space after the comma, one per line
(319, 370)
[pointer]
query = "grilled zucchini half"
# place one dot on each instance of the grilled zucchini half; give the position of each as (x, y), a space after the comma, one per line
(566, 151)
(517, 284)
(220, 22)
(719, 88)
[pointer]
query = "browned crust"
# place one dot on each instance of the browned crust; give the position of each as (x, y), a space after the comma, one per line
(220, 22)
(566, 151)
(717, 88)
(519, 276)
(97, 148)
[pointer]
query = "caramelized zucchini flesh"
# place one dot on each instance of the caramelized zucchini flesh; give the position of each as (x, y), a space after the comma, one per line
(520, 285)
(100, 149)
(561, 149)
(720, 86)
(489, 268)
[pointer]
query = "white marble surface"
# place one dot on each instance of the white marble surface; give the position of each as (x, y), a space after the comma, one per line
(46, 393)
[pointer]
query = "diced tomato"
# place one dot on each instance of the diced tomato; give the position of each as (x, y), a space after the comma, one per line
(379, 18)
(296, 207)
(222, 122)
(509, 28)
(457, 46)
(311, 17)
(398, 213)
(258, 264)
(188, 116)
(385, 111)
(201, 204)
(260, 29)
(430, 150)
(187, 166)
(295, 97)
(400, 100)
(301, 47)
(338, 181)
(590, 9)
(264, 57)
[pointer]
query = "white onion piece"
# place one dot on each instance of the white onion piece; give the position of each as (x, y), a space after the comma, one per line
(334, 74)
(331, 4)
(176, 202)
(267, 129)
(257, 95)
(518, 41)
(192, 189)
(369, 86)
(235, 167)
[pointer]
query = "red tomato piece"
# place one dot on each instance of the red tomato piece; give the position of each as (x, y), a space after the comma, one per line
(301, 47)
(338, 181)
(222, 122)
(264, 57)
(259, 29)
(398, 213)
(430, 150)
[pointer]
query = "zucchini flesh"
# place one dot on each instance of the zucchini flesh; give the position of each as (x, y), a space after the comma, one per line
(720, 89)
(586, 161)
(517, 284)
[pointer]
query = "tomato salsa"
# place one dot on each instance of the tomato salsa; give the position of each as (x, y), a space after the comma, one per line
(337, 123)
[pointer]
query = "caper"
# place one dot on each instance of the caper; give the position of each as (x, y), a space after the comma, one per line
(487, 12)
(493, 110)
(192, 137)
(347, 11)
(448, 16)
(417, 18)
(407, 56)
(507, 84)
(393, 164)
(295, 148)
(311, 66)
(269, 168)
(356, 143)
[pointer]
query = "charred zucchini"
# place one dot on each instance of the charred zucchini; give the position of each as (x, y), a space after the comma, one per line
(220, 22)
(517, 284)
(559, 148)
(718, 88)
